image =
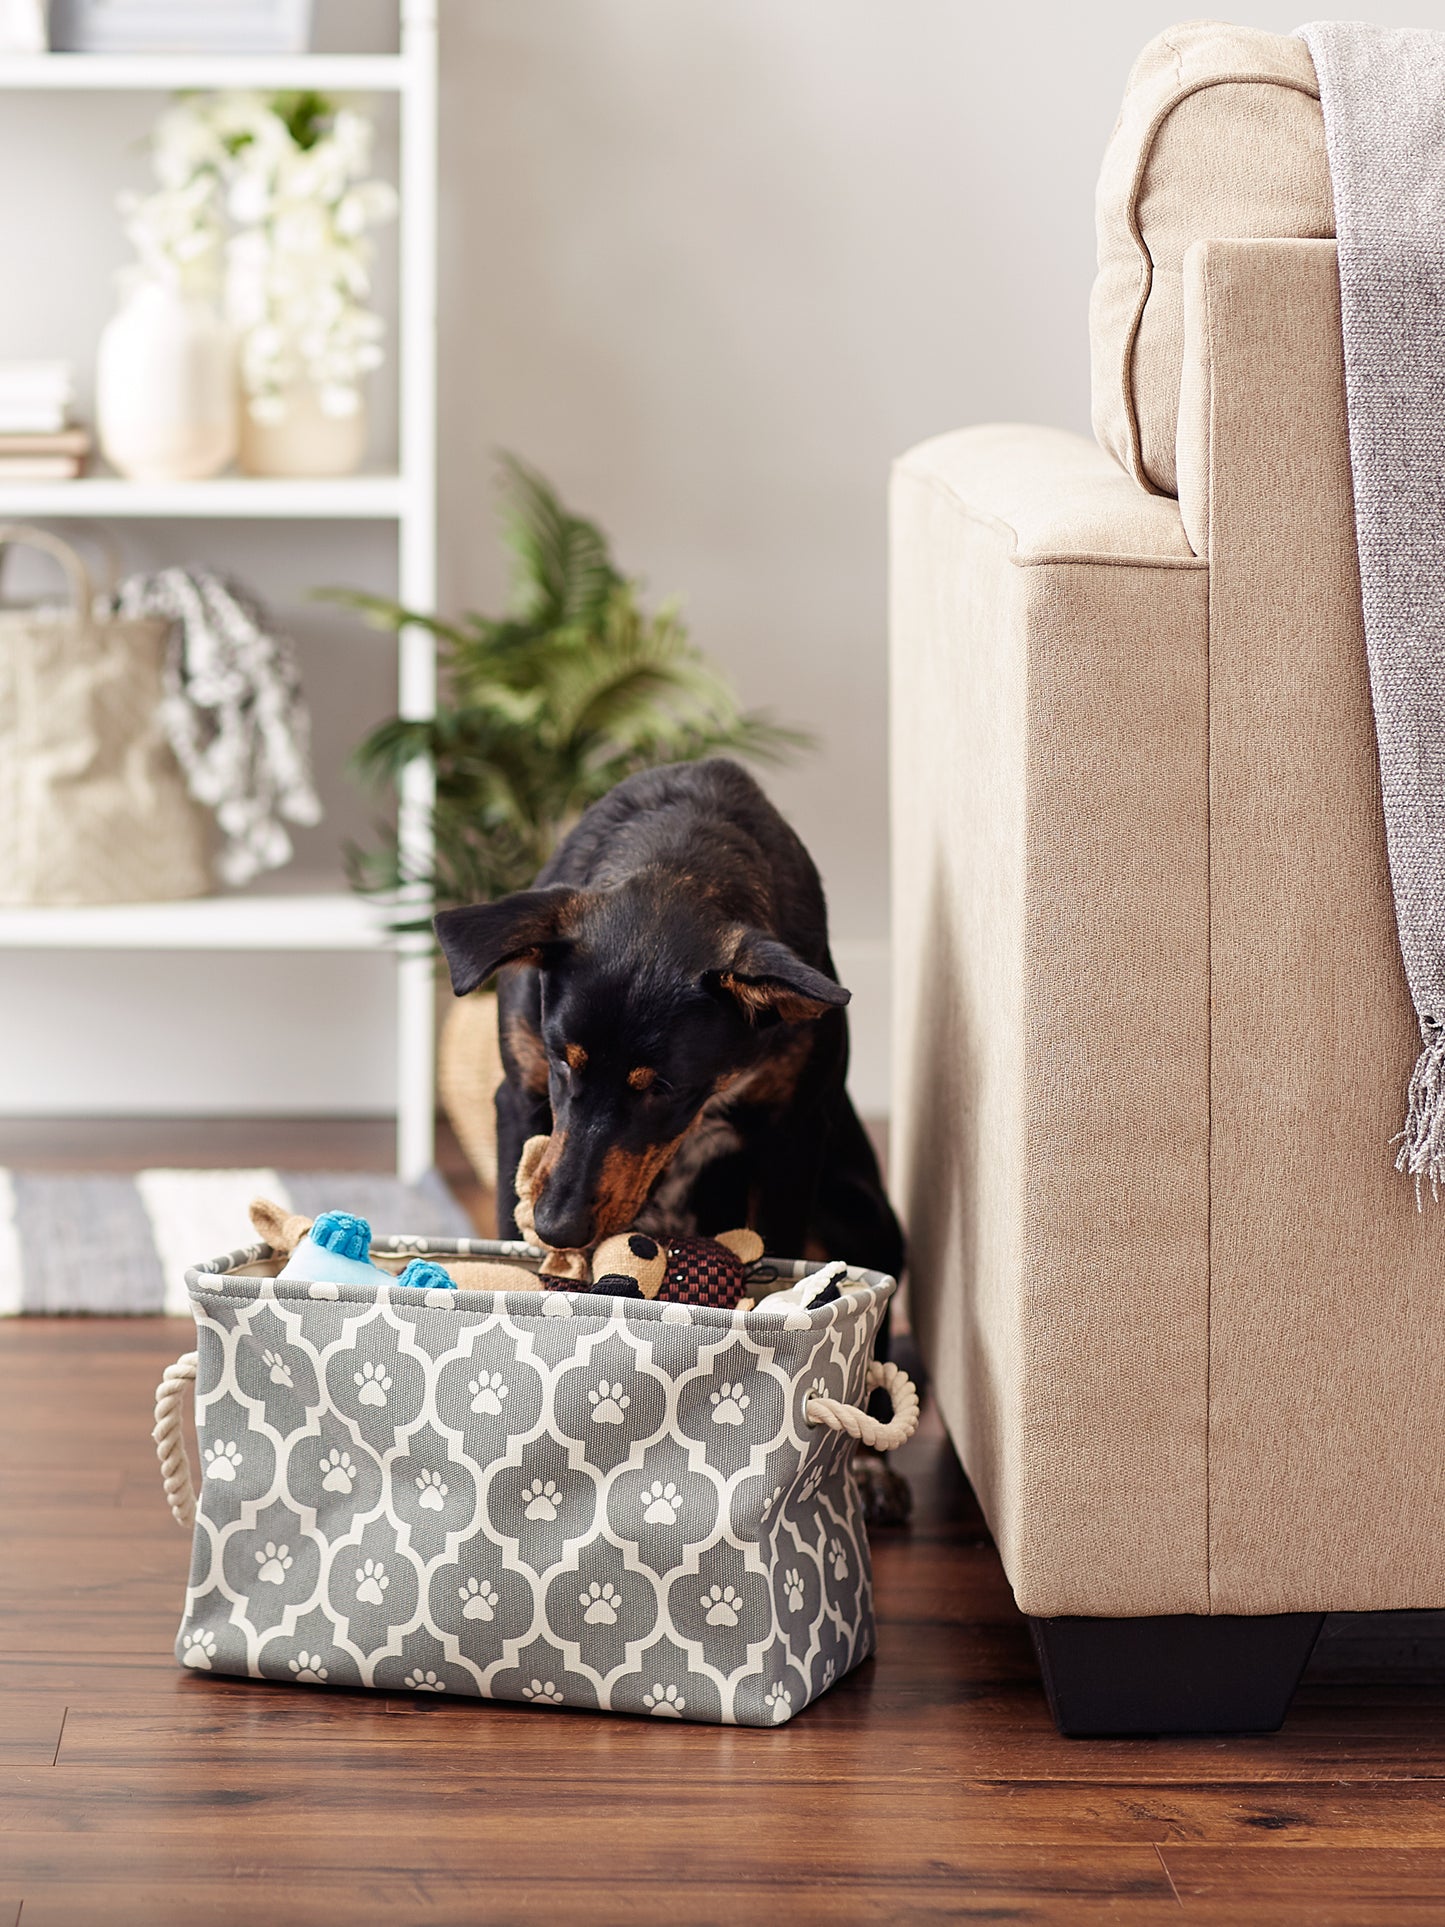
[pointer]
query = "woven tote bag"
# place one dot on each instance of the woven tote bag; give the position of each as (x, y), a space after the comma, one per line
(93, 806)
(547, 1497)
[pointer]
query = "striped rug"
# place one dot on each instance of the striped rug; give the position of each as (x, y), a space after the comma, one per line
(76, 1242)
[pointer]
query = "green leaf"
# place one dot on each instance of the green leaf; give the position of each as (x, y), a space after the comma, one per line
(543, 710)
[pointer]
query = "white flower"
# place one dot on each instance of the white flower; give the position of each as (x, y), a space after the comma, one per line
(297, 264)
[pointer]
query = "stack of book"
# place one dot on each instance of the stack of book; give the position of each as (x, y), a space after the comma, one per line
(180, 26)
(38, 442)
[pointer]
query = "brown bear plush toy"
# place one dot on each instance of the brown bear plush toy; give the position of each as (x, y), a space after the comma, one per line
(686, 1271)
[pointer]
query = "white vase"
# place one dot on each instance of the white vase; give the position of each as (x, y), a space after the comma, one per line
(305, 440)
(165, 387)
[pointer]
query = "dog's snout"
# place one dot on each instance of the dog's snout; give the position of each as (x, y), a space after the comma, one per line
(564, 1223)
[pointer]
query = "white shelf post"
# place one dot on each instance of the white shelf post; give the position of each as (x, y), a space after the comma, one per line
(417, 570)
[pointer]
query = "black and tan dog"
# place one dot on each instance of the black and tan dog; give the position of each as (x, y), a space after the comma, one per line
(670, 1015)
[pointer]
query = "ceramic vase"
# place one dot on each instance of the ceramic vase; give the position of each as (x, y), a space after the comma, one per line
(305, 440)
(165, 388)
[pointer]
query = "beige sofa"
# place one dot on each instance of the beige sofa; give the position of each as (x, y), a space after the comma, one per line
(1184, 1320)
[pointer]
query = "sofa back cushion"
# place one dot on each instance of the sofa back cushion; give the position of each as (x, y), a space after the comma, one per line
(1220, 138)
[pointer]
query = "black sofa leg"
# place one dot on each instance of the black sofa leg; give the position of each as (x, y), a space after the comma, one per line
(1181, 1674)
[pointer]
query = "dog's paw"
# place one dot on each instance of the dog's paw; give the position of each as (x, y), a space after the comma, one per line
(885, 1495)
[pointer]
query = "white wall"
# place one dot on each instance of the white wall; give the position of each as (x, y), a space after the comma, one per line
(710, 267)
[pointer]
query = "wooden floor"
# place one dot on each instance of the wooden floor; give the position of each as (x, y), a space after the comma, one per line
(928, 1786)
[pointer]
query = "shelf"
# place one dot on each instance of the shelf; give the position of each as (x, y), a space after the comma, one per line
(333, 920)
(337, 498)
(166, 73)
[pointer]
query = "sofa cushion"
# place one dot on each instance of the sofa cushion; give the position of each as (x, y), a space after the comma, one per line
(1220, 138)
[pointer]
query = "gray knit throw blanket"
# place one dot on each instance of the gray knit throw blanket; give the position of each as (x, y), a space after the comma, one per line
(1383, 94)
(233, 713)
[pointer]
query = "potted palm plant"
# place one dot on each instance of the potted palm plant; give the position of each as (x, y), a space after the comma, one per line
(542, 711)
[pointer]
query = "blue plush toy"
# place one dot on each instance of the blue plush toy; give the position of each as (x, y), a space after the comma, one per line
(337, 1251)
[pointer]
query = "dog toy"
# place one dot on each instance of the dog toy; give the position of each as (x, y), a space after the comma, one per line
(630, 1264)
(818, 1288)
(335, 1251)
(684, 1271)
(557, 1264)
(336, 1248)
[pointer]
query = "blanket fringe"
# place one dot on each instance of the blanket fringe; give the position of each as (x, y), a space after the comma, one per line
(1422, 1142)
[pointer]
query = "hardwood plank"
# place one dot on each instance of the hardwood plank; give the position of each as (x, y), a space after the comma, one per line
(30, 1728)
(1000, 1734)
(507, 1840)
(1336, 1884)
(447, 1900)
(286, 1802)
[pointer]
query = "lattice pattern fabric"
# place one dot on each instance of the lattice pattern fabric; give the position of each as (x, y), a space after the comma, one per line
(543, 1497)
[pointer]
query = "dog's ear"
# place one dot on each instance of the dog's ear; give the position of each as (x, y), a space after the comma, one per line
(477, 941)
(771, 982)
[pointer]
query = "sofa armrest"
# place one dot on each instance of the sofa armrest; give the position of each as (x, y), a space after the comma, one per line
(1325, 1446)
(1051, 959)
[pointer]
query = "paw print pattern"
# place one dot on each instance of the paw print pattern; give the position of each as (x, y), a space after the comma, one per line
(780, 1702)
(275, 1562)
(371, 1582)
(222, 1459)
(721, 1604)
(199, 1649)
(830, 1673)
(543, 1692)
(818, 1389)
(479, 1599)
(488, 1391)
(308, 1666)
(338, 1473)
(424, 1682)
(432, 1490)
(375, 1383)
(772, 1500)
(600, 1604)
(661, 1504)
(608, 1403)
(664, 1700)
(280, 1370)
(729, 1403)
(793, 1589)
(811, 1484)
(541, 1499)
(838, 1559)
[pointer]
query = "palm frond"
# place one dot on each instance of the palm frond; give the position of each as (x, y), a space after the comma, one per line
(543, 710)
(564, 568)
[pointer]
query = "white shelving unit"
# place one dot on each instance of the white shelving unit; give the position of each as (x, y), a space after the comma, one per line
(331, 921)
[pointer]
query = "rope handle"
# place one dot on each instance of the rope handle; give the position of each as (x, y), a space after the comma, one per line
(170, 1440)
(852, 1419)
(77, 576)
